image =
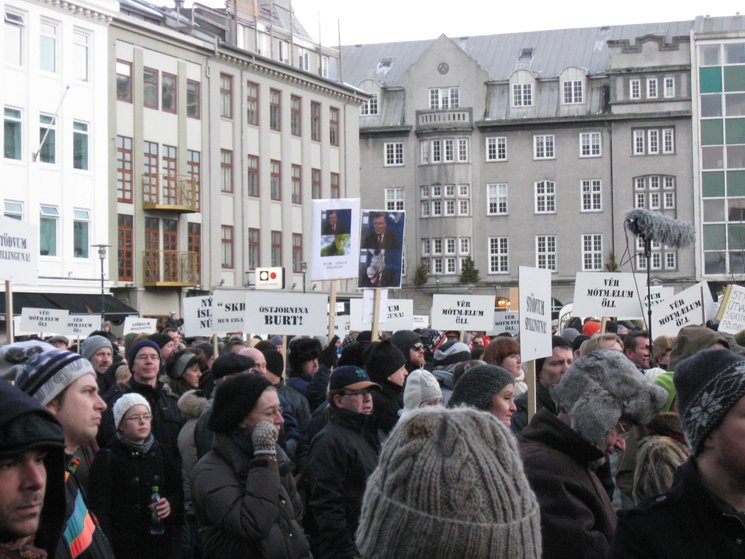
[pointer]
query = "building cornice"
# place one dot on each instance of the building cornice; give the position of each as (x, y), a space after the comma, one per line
(79, 10)
(558, 122)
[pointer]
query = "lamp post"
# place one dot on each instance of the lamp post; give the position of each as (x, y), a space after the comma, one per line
(304, 267)
(102, 256)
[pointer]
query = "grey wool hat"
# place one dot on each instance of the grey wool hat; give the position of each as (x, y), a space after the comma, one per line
(449, 484)
(421, 385)
(600, 388)
(478, 386)
(91, 345)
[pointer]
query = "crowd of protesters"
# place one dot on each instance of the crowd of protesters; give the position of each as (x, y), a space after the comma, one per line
(417, 444)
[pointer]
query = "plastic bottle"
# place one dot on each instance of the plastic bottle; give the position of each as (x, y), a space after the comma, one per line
(156, 522)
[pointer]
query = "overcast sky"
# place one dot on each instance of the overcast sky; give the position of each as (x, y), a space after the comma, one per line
(381, 21)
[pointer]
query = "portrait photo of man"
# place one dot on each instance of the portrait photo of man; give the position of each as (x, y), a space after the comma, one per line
(381, 249)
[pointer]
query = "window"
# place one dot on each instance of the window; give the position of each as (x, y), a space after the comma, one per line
(125, 244)
(226, 96)
(436, 246)
(276, 248)
(496, 149)
(275, 109)
(194, 170)
(48, 230)
(315, 121)
(226, 171)
(324, 66)
(79, 145)
(589, 144)
(465, 245)
(669, 87)
(169, 93)
(335, 188)
(150, 172)
(671, 260)
(297, 253)
(370, 107)
(315, 184)
(635, 89)
(592, 253)
(499, 255)
(394, 198)
(47, 139)
(436, 151)
(253, 248)
(543, 146)
(464, 207)
(263, 41)
(253, 175)
(12, 138)
(592, 195)
(651, 88)
(303, 59)
(496, 195)
(545, 197)
(394, 153)
(297, 184)
(170, 246)
(639, 142)
(275, 183)
(192, 99)
(226, 243)
(653, 141)
(284, 51)
(444, 98)
(522, 94)
(48, 46)
(546, 252)
(80, 41)
(296, 116)
(647, 192)
(252, 103)
(646, 141)
(424, 152)
(169, 167)
(150, 92)
(425, 247)
(573, 93)
(194, 243)
(13, 210)
(668, 140)
(14, 39)
(463, 149)
(81, 233)
(334, 126)
(124, 81)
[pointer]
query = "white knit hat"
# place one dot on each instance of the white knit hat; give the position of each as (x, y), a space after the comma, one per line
(421, 385)
(123, 405)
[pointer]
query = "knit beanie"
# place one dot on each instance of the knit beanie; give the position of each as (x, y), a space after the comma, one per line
(302, 350)
(352, 355)
(709, 384)
(47, 374)
(600, 388)
(160, 339)
(478, 385)
(231, 364)
(452, 352)
(404, 340)
(569, 334)
(449, 484)
(590, 327)
(665, 380)
(125, 402)
(275, 363)
(91, 345)
(26, 424)
(234, 400)
(421, 385)
(13, 357)
(136, 347)
(383, 360)
(692, 339)
(181, 361)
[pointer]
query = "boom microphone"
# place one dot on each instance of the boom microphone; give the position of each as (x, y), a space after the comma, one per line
(653, 226)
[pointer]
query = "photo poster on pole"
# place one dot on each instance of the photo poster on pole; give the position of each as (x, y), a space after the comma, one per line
(43, 321)
(335, 239)
(285, 313)
(139, 325)
(731, 314)
(381, 248)
(19, 250)
(229, 310)
(609, 294)
(198, 319)
(462, 313)
(692, 306)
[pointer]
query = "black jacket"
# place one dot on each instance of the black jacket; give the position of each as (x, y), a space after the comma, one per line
(387, 402)
(342, 457)
(684, 523)
(543, 400)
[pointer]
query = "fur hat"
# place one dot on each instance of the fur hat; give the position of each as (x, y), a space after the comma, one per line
(709, 384)
(91, 345)
(135, 349)
(449, 484)
(692, 339)
(600, 388)
(657, 459)
(302, 350)
(125, 403)
(234, 400)
(478, 385)
(420, 386)
(231, 364)
(192, 403)
(46, 375)
(383, 360)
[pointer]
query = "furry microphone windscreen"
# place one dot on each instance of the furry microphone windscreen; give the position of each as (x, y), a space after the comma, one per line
(654, 226)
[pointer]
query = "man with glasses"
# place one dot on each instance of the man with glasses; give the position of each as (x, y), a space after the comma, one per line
(599, 398)
(410, 344)
(342, 456)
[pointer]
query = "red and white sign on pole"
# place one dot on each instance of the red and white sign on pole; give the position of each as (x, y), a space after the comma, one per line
(270, 278)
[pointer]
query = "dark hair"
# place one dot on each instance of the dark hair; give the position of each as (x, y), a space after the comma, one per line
(500, 348)
(556, 341)
(228, 347)
(629, 340)
(463, 366)
(265, 345)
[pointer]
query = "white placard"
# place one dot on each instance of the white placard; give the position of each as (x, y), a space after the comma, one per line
(48, 321)
(694, 305)
(505, 322)
(138, 325)
(395, 314)
(198, 321)
(335, 239)
(81, 325)
(657, 295)
(535, 313)
(462, 312)
(287, 313)
(229, 310)
(368, 305)
(608, 294)
(731, 313)
(19, 250)
(342, 325)
(420, 321)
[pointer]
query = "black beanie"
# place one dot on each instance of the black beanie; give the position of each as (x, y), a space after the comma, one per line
(160, 339)
(352, 355)
(234, 400)
(275, 363)
(383, 360)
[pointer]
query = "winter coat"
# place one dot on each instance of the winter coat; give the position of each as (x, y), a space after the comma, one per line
(247, 507)
(191, 404)
(577, 518)
(685, 523)
(342, 457)
(387, 402)
(314, 387)
(543, 400)
(121, 482)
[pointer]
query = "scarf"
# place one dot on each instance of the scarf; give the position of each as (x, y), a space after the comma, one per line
(22, 548)
(143, 447)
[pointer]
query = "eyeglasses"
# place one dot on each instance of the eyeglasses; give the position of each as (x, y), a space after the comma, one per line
(271, 413)
(139, 418)
(418, 347)
(362, 393)
(146, 357)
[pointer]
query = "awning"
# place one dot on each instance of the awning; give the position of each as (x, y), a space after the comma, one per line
(75, 303)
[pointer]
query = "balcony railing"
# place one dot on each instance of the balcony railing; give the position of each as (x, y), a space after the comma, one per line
(451, 118)
(170, 268)
(178, 193)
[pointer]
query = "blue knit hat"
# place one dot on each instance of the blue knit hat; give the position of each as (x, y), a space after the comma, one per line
(135, 349)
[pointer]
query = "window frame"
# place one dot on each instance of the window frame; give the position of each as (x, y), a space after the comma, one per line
(547, 256)
(296, 116)
(169, 87)
(592, 256)
(315, 121)
(297, 184)
(545, 198)
(393, 154)
(120, 77)
(193, 99)
(254, 248)
(226, 171)
(276, 248)
(544, 147)
(81, 216)
(275, 110)
(253, 187)
(591, 195)
(226, 96)
(499, 255)
(252, 103)
(150, 84)
(275, 180)
(227, 261)
(590, 144)
(334, 123)
(496, 148)
(522, 95)
(16, 120)
(80, 142)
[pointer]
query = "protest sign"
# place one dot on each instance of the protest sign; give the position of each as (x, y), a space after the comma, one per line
(229, 309)
(462, 312)
(46, 321)
(342, 325)
(19, 249)
(197, 317)
(335, 238)
(381, 248)
(657, 295)
(80, 325)
(608, 294)
(535, 313)
(505, 322)
(694, 305)
(731, 315)
(395, 314)
(287, 313)
(138, 325)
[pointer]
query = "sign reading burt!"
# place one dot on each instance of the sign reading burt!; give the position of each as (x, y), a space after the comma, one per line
(270, 278)
(463, 312)
(287, 313)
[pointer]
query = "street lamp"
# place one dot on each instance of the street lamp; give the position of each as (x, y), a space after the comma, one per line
(102, 255)
(304, 267)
